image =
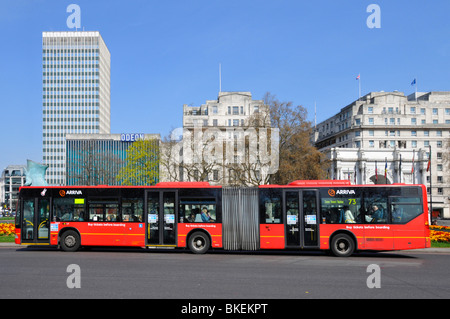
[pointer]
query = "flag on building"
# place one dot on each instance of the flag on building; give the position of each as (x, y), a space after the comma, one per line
(412, 168)
(385, 167)
(359, 75)
(413, 82)
(429, 162)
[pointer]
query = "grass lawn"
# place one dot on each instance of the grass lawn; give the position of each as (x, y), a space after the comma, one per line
(7, 239)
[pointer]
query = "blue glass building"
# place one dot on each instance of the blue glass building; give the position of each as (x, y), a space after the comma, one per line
(96, 159)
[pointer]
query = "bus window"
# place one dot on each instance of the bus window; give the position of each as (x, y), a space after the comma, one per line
(197, 210)
(404, 209)
(68, 209)
(376, 207)
(270, 206)
(132, 210)
(103, 210)
(341, 210)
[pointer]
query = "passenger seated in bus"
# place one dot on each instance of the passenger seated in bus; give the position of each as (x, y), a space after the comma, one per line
(376, 214)
(206, 216)
(348, 216)
(196, 212)
(191, 218)
(396, 214)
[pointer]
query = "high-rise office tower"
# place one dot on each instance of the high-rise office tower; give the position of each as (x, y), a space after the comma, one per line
(76, 93)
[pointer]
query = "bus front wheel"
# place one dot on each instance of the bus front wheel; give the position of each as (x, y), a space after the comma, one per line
(70, 241)
(342, 245)
(199, 243)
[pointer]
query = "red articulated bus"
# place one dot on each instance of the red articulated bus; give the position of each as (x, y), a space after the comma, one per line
(326, 215)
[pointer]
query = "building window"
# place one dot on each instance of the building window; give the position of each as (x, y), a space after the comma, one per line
(371, 132)
(435, 111)
(370, 120)
(413, 121)
(413, 144)
(370, 110)
(440, 191)
(439, 144)
(215, 122)
(371, 143)
(413, 133)
(412, 110)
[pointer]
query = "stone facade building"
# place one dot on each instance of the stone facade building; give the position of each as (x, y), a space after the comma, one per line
(387, 137)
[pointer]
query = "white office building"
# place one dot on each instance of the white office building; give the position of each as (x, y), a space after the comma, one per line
(76, 93)
(387, 137)
(226, 141)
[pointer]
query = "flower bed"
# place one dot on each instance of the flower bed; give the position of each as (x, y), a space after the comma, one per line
(7, 229)
(440, 234)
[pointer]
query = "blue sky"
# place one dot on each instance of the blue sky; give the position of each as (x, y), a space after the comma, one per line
(166, 53)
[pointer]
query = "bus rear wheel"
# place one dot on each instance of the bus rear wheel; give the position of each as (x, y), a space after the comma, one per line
(70, 241)
(342, 245)
(199, 243)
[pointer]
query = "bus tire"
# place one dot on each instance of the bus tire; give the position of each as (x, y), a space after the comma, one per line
(70, 241)
(199, 242)
(342, 245)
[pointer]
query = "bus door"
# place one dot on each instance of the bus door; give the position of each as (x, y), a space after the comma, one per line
(35, 220)
(301, 207)
(161, 214)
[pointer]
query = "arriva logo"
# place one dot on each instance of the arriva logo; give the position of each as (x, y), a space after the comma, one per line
(63, 193)
(73, 192)
(345, 192)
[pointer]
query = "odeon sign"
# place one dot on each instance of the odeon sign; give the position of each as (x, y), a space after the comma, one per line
(131, 137)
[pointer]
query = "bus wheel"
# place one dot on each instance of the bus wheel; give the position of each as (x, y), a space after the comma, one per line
(70, 241)
(342, 245)
(199, 243)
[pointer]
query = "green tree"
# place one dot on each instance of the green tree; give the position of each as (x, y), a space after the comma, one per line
(141, 164)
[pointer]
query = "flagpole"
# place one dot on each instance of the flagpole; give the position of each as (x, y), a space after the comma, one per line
(359, 81)
(416, 87)
(220, 77)
(376, 173)
(359, 86)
